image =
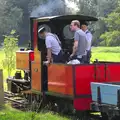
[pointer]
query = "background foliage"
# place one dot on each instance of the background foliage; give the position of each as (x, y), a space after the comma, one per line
(112, 36)
(10, 45)
(15, 14)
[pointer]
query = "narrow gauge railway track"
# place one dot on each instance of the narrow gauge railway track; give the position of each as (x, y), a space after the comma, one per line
(15, 100)
(20, 103)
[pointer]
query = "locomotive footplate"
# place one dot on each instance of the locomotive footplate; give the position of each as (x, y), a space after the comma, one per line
(106, 111)
(104, 107)
(17, 80)
(17, 85)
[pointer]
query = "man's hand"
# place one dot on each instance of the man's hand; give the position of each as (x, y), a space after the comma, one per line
(71, 55)
(46, 63)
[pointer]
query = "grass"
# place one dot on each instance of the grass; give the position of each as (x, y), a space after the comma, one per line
(100, 53)
(106, 54)
(9, 113)
(5, 73)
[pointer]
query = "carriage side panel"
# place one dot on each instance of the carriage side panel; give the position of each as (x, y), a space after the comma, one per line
(84, 75)
(113, 72)
(60, 79)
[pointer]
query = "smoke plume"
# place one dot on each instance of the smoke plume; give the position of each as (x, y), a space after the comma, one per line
(56, 7)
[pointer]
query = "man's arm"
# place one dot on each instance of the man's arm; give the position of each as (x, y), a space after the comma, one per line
(89, 37)
(75, 46)
(49, 50)
(49, 55)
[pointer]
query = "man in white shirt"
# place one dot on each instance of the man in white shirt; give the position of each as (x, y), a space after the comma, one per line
(53, 46)
(84, 27)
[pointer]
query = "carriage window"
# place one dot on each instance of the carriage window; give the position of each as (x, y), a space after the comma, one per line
(46, 27)
(68, 34)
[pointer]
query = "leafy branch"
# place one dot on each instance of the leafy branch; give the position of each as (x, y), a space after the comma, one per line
(10, 45)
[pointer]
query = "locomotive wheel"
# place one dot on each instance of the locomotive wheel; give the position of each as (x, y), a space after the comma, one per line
(62, 107)
(59, 105)
(83, 115)
(116, 118)
(34, 102)
(65, 107)
(103, 116)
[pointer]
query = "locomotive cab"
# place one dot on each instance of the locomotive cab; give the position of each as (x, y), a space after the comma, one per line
(59, 25)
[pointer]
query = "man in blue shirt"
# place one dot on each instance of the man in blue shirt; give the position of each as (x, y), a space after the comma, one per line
(84, 27)
(80, 42)
(53, 46)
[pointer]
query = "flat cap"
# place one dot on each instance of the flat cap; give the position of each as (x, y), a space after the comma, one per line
(42, 29)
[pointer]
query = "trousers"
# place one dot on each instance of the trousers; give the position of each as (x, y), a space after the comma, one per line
(58, 58)
(88, 56)
(81, 60)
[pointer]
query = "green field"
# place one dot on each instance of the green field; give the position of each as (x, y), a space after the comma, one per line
(100, 53)
(106, 54)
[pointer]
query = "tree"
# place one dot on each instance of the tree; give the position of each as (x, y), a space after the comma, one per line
(104, 7)
(112, 36)
(88, 7)
(10, 16)
(24, 26)
(15, 14)
(97, 9)
(10, 45)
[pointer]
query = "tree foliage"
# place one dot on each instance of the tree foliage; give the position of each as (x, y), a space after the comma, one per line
(10, 45)
(112, 36)
(15, 14)
(10, 16)
(104, 7)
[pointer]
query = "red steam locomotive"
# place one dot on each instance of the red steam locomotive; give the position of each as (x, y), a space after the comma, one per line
(68, 86)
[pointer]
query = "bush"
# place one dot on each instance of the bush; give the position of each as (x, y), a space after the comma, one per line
(9, 47)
